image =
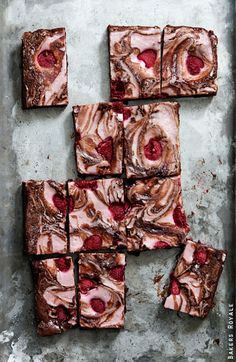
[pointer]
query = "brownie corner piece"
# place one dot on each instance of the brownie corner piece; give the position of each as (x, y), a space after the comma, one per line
(99, 138)
(135, 61)
(44, 64)
(101, 290)
(151, 139)
(194, 281)
(189, 62)
(55, 296)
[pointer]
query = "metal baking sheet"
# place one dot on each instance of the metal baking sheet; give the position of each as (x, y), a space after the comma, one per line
(38, 144)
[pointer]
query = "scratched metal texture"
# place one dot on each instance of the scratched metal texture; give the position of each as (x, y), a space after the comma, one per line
(38, 144)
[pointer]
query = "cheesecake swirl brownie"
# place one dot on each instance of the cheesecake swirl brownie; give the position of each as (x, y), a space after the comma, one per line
(96, 214)
(45, 209)
(99, 138)
(44, 68)
(189, 62)
(156, 218)
(101, 290)
(135, 60)
(194, 281)
(54, 295)
(152, 140)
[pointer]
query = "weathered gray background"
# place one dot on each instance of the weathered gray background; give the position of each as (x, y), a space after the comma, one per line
(37, 144)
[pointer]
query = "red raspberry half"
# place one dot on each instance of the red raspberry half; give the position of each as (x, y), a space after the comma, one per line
(62, 314)
(179, 217)
(161, 245)
(98, 305)
(201, 256)
(93, 242)
(148, 56)
(86, 285)
(126, 113)
(153, 150)
(87, 184)
(194, 64)
(63, 264)
(117, 273)
(105, 148)
(60, 202)
(46, 59)
(117, 89)
(175, 287)
(118, 210)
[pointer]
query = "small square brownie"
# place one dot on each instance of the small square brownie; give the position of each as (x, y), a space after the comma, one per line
(101, 290)
(55, 295)
(135, 61)
(189, 62)
(44, 63)
(99, 138)
(152, 140)
(156, 218)
(45, 209)
(194, 281)
(96, 214)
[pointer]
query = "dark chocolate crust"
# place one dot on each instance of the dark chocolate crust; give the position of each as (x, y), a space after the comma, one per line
(44, 86)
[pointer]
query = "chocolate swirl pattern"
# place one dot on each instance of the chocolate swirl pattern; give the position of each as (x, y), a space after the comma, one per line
(152, 140)
(98, 141)
(194, 281)
(55, 296)
(96, 214)
(134, 61)
(101, 290)
(44, 68)
(189, 63)
(156, 217)
(45, 208)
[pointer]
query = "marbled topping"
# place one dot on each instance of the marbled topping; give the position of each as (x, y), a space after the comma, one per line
(152, 140)
(54, 295)
(98, 142)
(101, 290)
(44, 68)
(189, 65)
(96, 222)
(152, 221)
(45, 217)
(134, 61)
(194, 280)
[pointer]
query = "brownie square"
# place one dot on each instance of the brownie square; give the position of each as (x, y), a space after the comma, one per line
(194, 281)
(135, 61)
(152, 140)
(99, 138)
(44, 63)
(189, 62)
(156, 218)
(96, 214)
(45, 209)
(55, 296)
(101, 290)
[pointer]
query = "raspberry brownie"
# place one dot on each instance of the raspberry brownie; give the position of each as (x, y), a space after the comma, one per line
(189, 62)
(135, 61)
(45, 209)
(151, 133)
(156, 218)
(99, 138)
(44, 63)
(194, 281)
(97, 210)
(55, 296)
(101, 290)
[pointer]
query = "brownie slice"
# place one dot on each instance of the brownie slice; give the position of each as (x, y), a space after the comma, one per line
(189, 62)
(96, 214)
(99, 138)
(101, 290)
(152, 140)
(44, 63)
(45, 209)
(55, 296)
(135, 61)
(156, 218)
(194, 281)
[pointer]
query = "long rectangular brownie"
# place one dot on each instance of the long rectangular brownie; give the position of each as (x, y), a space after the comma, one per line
(194, 281)
(44, 63)
(135, 61)
(155, 218)
(152, 140)
(45, 209)
(189, 62)
(55, 295)
(101, 290)
(96, 214)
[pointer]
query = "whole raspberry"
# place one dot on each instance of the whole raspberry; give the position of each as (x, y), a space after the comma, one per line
(105, 148)
(86, 285)
(118, 210)
(194, 64)
(175, 287)
(62, 314)
(60, 202)
(117, 273)
(148, 56)
(63, 264)
(201, 256)
(93, 242)
(153, 149)
(98, 305)
(179, 217)
(46, 59)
